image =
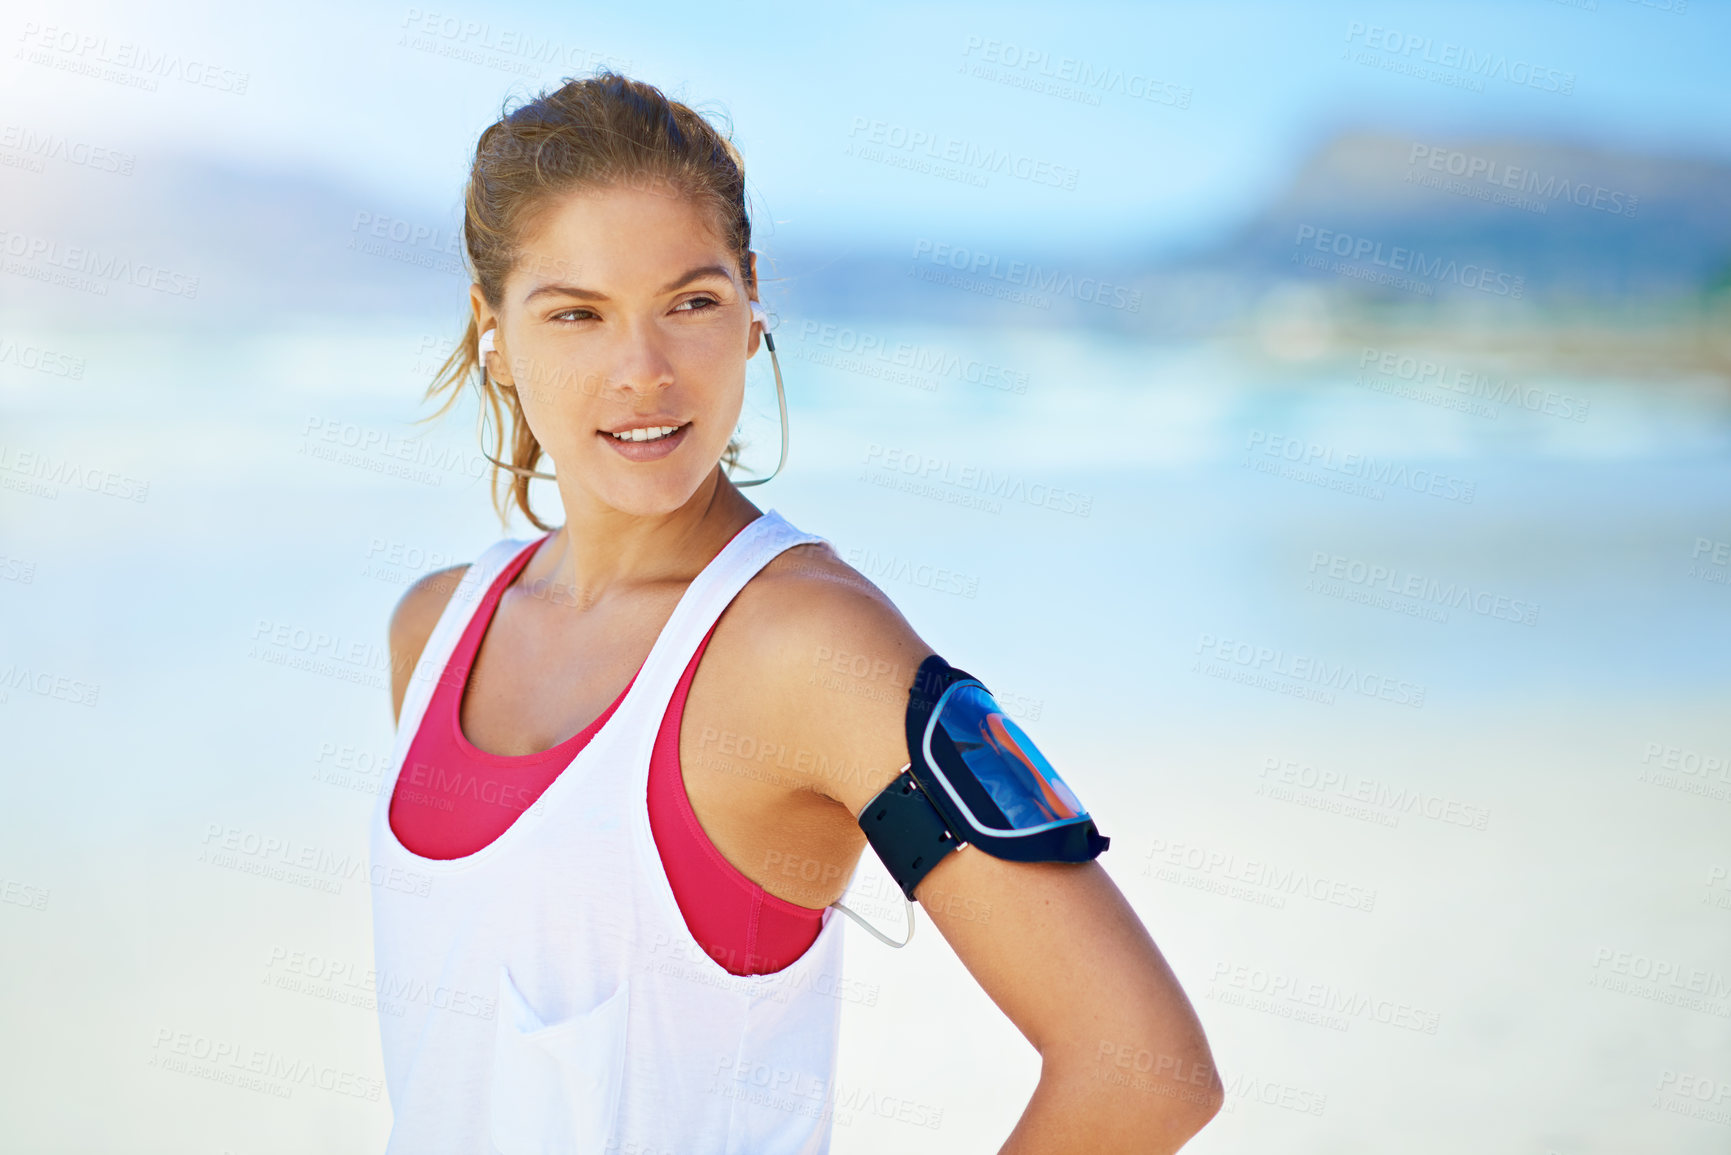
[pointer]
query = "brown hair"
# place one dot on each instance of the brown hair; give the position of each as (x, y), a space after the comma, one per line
(603, 130)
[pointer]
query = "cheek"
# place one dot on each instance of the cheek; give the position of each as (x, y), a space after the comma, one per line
(711, 372)
(552, 384)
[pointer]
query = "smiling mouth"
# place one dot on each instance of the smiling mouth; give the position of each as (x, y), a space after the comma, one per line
(649, 433)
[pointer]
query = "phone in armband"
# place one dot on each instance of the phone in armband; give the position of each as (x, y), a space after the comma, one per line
(973, 777)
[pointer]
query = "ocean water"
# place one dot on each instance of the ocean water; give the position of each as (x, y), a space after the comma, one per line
(1403, 705)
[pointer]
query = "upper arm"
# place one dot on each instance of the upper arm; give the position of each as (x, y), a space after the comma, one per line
(412, 623)
(1055, 945)
(838, 659)
(1060, 951)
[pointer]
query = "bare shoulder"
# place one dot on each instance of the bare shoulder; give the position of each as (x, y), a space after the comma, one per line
(832, 659)
(817, 672)
(808, 599)
(412, 622)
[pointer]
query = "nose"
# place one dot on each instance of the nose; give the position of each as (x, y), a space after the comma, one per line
(639, 363)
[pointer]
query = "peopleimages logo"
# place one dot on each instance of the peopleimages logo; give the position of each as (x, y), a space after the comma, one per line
(927, 145)
(925, 471)
(52, 472)
(122, 62)
(1066, 76)
(1501, 175)
(1025, 274)
(42, 360)
(864, 349)
(1424, 371)
(1166, 861)
(497, 46)
(93, 268)
(1358, 467)
(1414, 53)
(1265, 666)
(39, 146)
(1374, 579)
(1469, 276)
(448, 241)
(1336, 791)
(1717, 566)
(1278, 990)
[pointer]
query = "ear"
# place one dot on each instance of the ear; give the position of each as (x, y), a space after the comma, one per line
(759, 318)
(498, 365)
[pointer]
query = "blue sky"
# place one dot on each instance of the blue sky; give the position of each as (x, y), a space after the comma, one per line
(389, 98)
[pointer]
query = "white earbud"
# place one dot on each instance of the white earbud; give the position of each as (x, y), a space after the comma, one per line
(757, 314)
(486, 343)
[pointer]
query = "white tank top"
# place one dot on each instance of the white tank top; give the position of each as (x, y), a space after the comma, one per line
(544, 994)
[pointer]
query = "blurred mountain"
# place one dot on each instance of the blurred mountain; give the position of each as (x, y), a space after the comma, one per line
(1576, 224)
(1521, 232)
(198, 241)
(1551, 256)
(1531, 228)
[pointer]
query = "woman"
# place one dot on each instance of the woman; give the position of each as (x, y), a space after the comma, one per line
(618, 901)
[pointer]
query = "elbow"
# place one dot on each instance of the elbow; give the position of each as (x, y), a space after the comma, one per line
(1206, 1104)
(1216, 1100)
(1165, 1095)
(1198, 1099)
(1209, 1091)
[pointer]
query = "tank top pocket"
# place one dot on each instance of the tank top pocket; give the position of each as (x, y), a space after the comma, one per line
(556, 1086)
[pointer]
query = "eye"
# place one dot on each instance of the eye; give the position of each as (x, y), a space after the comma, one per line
(572, 314)
(699, 304)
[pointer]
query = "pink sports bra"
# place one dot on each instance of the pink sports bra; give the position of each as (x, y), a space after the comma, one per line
(452, 798)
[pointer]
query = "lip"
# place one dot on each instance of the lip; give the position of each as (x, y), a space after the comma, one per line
(650, 422)
(646, 450)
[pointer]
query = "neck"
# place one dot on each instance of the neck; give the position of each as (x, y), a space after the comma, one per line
(601, 550)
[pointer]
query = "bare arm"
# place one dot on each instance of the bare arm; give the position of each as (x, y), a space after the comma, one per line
(412, 623)
(1125, 1066)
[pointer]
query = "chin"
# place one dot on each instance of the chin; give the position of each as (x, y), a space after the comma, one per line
(651, 496)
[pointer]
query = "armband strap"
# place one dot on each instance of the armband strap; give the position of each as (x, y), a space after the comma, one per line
(907, 832)
(973, 778)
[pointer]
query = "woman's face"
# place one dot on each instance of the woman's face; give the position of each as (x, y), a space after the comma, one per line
(625, 312)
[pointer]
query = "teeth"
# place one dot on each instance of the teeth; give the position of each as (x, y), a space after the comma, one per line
(650, 434)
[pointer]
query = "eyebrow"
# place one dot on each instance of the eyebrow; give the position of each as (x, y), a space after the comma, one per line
(591, 295)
